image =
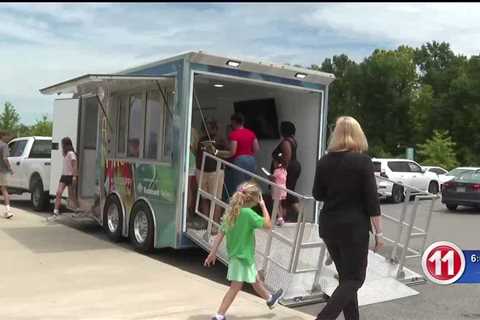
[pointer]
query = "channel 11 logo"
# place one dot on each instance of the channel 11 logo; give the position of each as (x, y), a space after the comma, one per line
(443, 262)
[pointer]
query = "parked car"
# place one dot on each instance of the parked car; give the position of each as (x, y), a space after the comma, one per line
(30, 162)
(463, 190)
(455, 173)
(406, 172)
(437, 172)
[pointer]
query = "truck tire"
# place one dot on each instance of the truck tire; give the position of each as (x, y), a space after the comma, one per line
(40, 198)
(142, 228)
(451, 207)
(113, 218)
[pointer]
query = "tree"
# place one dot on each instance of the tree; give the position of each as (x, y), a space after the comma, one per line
(9, 118)
(439, 150)
(42, 127)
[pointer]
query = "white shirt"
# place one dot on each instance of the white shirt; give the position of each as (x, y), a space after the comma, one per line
(67, 163)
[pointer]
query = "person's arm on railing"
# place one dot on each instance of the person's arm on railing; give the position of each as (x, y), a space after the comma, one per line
(228, 153)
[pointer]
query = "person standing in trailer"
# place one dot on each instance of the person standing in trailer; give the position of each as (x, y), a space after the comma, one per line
(279, 177)
(345, 182)
(239, 227)
(5, 169)
(69, 177)
(243, 147)
(288, 148)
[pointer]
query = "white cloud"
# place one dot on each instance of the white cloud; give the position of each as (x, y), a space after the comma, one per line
(41, 44)
(406, 23)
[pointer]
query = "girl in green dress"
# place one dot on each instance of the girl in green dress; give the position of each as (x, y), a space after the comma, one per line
(239, 228)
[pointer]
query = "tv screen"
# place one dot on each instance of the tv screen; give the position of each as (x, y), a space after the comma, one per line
(260, 117)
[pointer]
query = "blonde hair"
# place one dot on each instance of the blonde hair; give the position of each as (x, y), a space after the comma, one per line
(248, 194)
(348, 136)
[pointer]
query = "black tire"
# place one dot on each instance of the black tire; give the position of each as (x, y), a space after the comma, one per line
(40, 198)
(113, 218)
(397, 194)
(433, 187)
(142, 228)
(452, 207)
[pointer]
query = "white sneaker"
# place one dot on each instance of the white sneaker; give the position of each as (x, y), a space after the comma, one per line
(53, 217)
(8, 215)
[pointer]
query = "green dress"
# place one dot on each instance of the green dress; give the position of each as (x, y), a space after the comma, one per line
(241, 246)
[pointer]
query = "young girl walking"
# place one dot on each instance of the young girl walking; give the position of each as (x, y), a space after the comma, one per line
(239, 227)
(279, 176)
(68, 178)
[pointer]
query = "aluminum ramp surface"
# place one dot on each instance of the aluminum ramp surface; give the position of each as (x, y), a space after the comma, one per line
(380, 284)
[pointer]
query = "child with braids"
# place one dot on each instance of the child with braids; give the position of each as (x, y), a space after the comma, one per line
(239, 227)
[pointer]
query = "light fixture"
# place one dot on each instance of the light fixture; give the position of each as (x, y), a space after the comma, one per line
(300, 75)
(218, 85)
(233, 63)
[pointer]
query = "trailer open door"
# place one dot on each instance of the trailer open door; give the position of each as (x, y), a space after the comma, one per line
(65, 124)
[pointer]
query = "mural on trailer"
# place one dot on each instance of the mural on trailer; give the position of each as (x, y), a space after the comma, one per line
(155, 182)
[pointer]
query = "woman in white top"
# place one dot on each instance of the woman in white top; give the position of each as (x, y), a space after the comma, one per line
(69, 176)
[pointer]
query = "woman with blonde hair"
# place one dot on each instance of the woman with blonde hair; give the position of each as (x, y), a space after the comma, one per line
(239, 226)
(345, 182)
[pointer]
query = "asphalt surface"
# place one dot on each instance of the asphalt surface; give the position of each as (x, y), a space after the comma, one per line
(434, 302)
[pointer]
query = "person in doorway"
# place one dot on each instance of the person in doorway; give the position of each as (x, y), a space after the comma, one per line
(243, 145)
(212, 182)
(345, 182)
(5, 170)
(69, 177)
(279, 177)
(288, 148)
(239, 228)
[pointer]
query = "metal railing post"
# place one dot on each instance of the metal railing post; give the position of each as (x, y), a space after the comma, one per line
(413, 216)
(298, 240)
(268, 245)
(398, 238)
(316, 279)
(427, 225)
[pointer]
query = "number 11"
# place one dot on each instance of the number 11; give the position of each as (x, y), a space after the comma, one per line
(437, 258)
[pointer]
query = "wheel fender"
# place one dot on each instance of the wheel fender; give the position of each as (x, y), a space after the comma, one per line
(122, 208)
(147, 202)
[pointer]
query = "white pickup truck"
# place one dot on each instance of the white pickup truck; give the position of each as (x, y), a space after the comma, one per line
(30, 159)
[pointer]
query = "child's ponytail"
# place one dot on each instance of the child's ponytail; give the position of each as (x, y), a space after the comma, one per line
(247, 195)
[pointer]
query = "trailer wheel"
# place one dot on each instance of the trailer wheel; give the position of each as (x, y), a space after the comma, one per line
(40, 198)
(113, 218)
(142, 227)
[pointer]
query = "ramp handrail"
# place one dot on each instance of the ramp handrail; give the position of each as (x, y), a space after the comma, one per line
(410, 225)
(296, 243)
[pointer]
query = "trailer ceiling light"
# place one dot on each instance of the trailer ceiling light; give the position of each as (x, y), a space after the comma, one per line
(300, 75)
(218, 85)
(233, 63)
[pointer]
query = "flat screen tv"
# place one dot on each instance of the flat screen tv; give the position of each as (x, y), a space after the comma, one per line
(260, 117)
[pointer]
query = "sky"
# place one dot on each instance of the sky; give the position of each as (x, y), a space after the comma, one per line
(45, 43)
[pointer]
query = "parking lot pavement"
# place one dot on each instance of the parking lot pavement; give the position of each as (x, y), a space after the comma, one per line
(85, 276)
(68, 270)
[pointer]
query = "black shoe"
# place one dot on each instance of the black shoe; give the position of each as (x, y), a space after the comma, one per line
(274, 299)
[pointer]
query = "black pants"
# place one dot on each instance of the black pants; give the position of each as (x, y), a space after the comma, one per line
(350, 258)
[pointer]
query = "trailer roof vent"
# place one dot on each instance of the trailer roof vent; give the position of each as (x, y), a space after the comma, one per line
(233, 63)
(300, 75)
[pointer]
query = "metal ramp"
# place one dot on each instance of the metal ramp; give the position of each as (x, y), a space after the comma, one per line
(292, 257)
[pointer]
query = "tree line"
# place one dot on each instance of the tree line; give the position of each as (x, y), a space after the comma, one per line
(10, 122)
(427, 98)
